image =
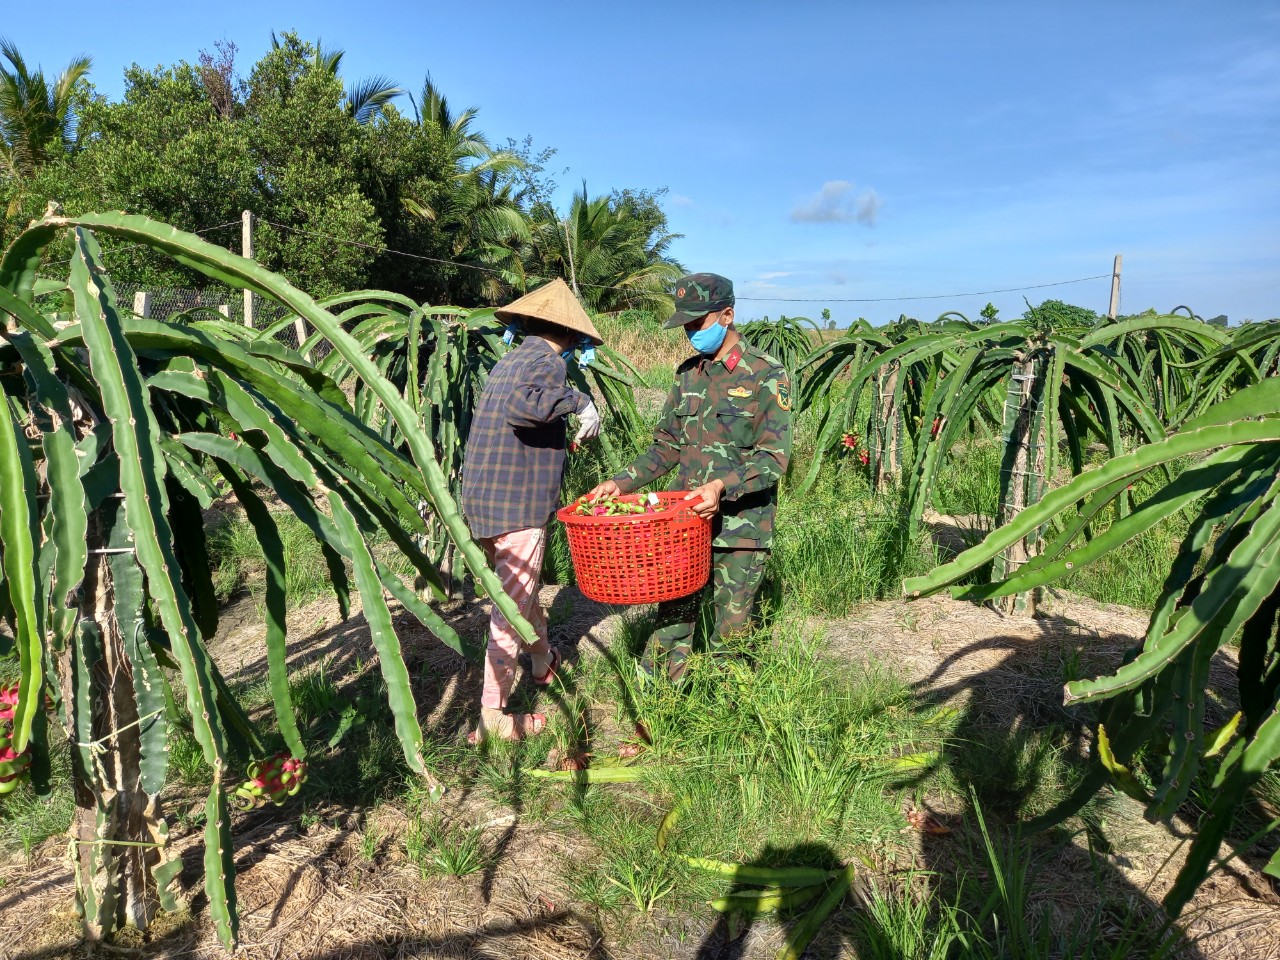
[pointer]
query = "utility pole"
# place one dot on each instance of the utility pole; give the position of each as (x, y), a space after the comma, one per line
(1115, 288)
(246, 248)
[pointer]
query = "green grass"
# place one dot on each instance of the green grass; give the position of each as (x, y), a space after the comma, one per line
(997, 916)
(769, 761)
(438, 847)
(27, 820)
(840, 544)
(238, 564)
(787, 758)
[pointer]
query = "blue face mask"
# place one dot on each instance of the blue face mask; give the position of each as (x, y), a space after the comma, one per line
(588, 352)
(708, 341)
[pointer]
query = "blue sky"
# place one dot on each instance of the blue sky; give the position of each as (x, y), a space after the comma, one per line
(841, 151)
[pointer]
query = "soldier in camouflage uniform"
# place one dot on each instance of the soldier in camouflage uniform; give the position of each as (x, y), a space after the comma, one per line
(726, 429)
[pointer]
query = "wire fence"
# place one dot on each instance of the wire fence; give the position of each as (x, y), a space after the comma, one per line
(168, 303)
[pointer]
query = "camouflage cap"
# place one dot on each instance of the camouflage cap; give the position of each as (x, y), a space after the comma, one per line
(699, 294)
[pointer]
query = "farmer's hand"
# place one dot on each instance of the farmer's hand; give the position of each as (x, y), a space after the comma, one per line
(708, 496)
(606, 489)
(588, 423)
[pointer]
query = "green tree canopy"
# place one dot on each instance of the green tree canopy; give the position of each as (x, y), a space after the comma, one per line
(347, 190)
(1058, 315)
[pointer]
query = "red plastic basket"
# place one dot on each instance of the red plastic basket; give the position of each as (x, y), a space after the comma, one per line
(640, 559)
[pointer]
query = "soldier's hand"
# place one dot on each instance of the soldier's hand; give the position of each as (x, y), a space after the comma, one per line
(708, 497)
(606, 489)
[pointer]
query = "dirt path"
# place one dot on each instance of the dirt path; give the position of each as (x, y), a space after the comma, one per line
(340, 885)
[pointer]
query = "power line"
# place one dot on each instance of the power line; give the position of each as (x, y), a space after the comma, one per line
(931, 296)
(379, 249)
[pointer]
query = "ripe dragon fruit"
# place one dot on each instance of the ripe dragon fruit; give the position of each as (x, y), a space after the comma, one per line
(8, 702)
(13, 765)
(275, 779)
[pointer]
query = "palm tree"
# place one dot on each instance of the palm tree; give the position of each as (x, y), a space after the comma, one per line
(365, 98)
(36, 120)
(467, 148)
(478, 206)
(612, 249)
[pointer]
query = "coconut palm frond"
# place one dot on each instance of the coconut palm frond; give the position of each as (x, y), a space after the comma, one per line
(367, 97)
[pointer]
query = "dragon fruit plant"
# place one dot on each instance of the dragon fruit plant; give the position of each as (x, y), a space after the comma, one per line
(112, 431)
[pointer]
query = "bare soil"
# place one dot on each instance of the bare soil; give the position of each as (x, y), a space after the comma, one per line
(312, 891)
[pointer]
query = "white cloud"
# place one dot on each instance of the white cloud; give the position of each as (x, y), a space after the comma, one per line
(838, 202)
(680, 200)
(774, 275)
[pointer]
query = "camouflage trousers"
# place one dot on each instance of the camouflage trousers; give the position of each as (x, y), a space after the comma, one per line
(736, 576)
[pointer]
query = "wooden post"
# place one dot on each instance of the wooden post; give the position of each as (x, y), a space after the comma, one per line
(1018, 460)
(225, 310)
(1115, 288)
(142, 304)
(888, 464)
(246, 248)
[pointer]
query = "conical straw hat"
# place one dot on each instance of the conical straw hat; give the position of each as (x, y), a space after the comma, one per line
(554, 303)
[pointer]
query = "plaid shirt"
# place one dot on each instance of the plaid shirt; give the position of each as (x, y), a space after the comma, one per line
(515, 450)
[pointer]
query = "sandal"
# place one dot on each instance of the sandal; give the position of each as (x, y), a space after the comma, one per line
(544, 680)
(510, 726)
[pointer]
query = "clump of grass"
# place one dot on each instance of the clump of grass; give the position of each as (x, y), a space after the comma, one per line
(186, 758)
(630, 873)
(970, 483)
(999, 917)
(238, 564)
(839, 545)
(898, 924)
(436, 847)
(27, 820)
(354, 752)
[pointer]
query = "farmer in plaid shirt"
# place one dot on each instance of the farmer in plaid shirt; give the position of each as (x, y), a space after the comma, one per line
(511, 481)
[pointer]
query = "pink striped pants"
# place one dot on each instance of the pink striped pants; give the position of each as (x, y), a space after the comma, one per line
(517, 559)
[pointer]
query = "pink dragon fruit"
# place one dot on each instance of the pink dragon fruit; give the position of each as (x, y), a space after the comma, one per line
(8, 702)
(274, 779)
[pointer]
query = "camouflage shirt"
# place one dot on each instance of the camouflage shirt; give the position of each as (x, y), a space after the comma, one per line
(728, 419)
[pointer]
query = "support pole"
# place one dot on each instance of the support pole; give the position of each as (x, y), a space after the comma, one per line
(142, 304)
(246, 248)
(1115, 289)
